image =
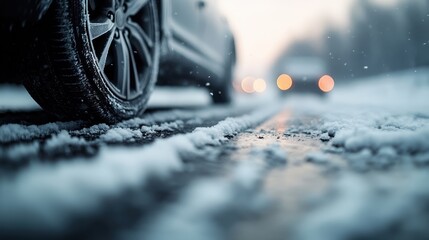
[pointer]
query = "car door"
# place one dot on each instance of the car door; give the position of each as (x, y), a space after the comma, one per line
(214, 33)
(185, 20)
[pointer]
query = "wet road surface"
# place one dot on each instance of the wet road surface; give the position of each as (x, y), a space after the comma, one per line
(300, 169)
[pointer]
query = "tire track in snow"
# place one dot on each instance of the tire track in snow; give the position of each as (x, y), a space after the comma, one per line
(60, 140)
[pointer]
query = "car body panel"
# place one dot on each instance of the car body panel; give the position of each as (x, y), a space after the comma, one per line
(16, 14)
(195, 39)
(305, 68)
(305, 72)
(195, 32)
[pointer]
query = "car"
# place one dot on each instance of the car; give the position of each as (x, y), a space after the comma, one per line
(305, 74)
(100, 60)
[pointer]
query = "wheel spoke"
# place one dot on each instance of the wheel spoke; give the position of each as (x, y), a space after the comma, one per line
(135, 6)
(138, 30)
(122, 37)
(123, 68)
(133, 66)
(106, 48)
(141, 45)
(99, 28)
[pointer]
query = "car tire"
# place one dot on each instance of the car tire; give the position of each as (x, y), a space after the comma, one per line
(222, 92)
(95, 60)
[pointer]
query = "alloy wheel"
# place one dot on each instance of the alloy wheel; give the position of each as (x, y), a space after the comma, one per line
(123, 40)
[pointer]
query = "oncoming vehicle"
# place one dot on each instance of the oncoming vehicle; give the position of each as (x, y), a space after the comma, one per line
(100, 59)
(305, 75)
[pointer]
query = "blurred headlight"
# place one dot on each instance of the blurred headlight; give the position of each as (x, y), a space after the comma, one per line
(284, 82)
(326, 83)
(259, 85)
(247, 85)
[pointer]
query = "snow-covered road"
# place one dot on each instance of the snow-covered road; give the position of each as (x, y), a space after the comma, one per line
(351, 166)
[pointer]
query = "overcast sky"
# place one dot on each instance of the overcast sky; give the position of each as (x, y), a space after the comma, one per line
(264, 27)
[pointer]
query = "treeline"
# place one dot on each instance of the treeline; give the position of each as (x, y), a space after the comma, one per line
(378, 39)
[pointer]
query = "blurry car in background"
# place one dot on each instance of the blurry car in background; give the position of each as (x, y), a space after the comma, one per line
(100, 60)
(305, 74)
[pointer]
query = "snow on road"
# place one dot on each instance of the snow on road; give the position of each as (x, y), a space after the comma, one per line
(374, 121)
(380, 127)
(381, 206)
(45, 197)
(198, 213)
(365, 149)
(21, 141)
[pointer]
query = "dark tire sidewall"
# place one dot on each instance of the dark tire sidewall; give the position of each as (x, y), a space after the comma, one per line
(119, 107)
(98, 90)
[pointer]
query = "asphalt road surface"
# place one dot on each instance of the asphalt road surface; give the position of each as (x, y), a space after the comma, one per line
(352, 165)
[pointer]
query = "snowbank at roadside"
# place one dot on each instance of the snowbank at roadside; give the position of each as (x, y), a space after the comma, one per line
(376, 122)
(406, 90)
(379, 140)
(380, 126)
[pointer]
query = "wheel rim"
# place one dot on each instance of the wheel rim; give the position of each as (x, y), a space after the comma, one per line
(123, 40)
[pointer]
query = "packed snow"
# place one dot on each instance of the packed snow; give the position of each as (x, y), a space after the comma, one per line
(45, 197)
(16, 132)
(379, 130)
(382, 131)
(197, 214)
(121, 135)
(371, 122)
(317, 158)
(129, 131)
(385, 206)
